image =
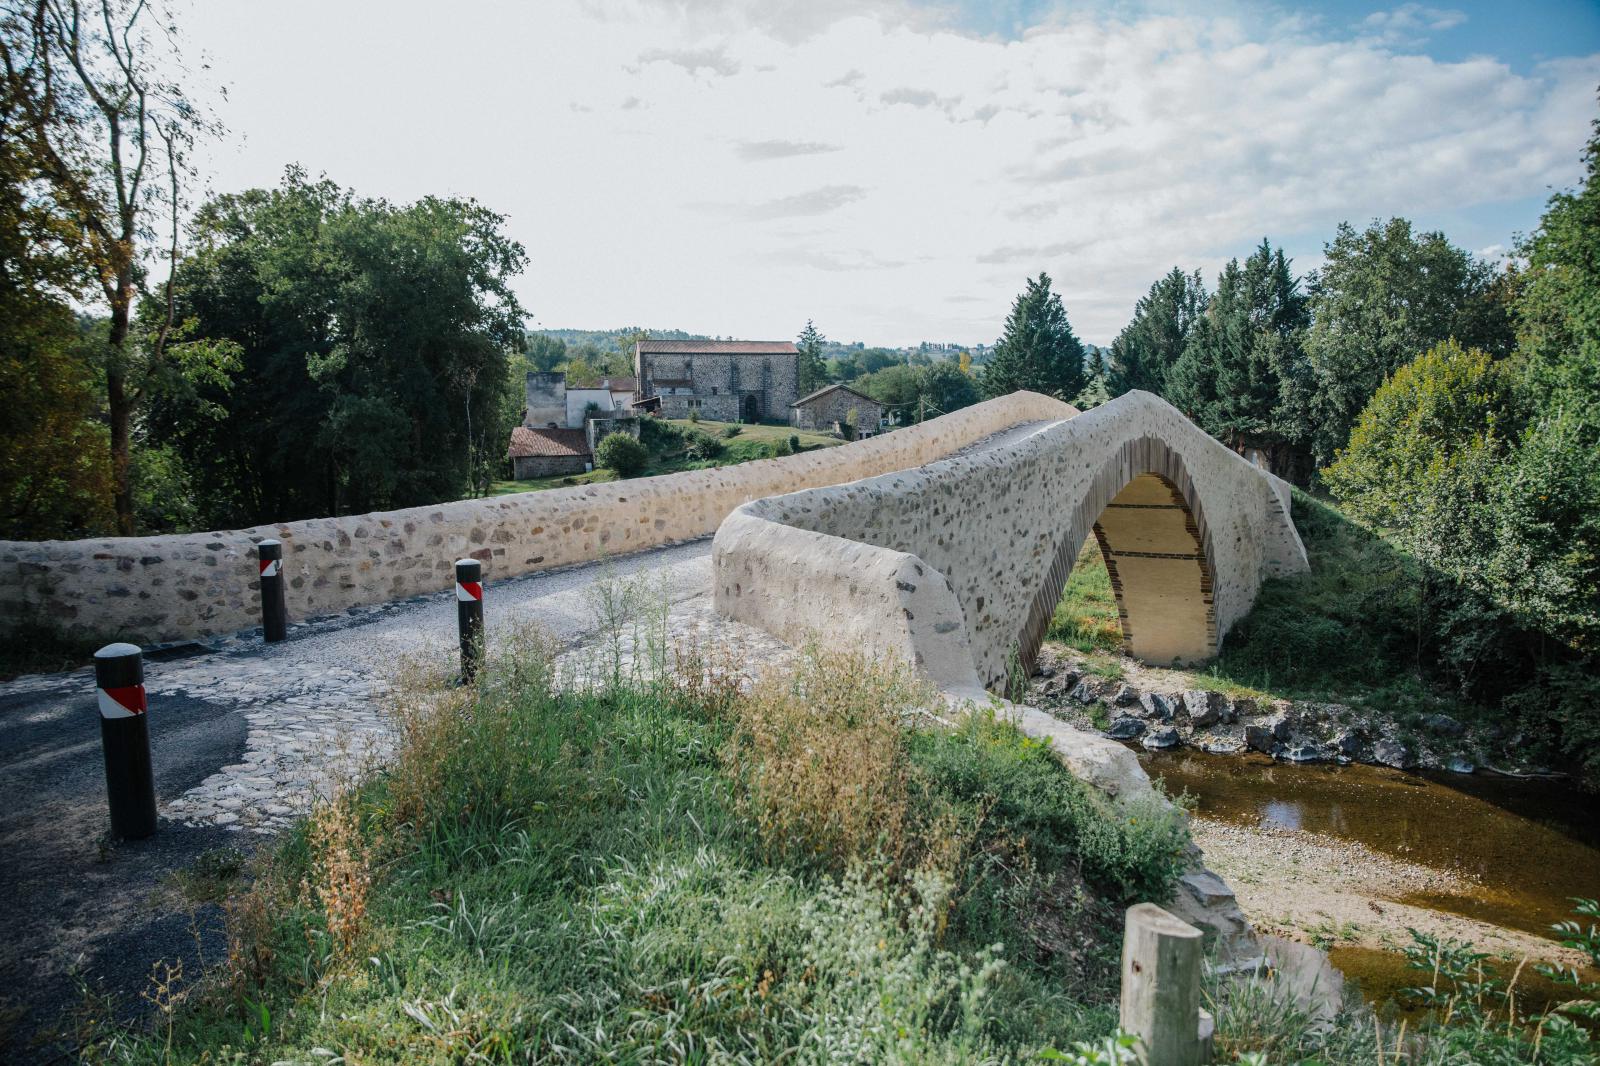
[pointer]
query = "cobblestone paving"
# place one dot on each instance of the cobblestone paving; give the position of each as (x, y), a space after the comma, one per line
(315, 704)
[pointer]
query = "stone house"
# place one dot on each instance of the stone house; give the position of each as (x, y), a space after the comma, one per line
(837, 403)
(546, 451)
(727, 381)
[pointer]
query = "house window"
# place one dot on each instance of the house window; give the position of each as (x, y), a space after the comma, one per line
(713, 390)
(694, 403)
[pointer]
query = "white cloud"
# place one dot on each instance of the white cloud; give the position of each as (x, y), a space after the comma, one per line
(1411, 24)
(699, 166)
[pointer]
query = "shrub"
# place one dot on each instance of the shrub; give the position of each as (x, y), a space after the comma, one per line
(780, 447)
(730, 432)
(794, 443)
(701, 447)
(619, 452)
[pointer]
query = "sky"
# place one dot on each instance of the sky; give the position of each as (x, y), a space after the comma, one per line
(895, 170)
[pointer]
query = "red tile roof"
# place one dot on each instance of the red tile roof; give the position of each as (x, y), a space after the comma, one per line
(526, 442)
(718, 347)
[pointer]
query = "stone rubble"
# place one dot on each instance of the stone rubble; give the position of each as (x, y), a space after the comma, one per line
(1130, 710)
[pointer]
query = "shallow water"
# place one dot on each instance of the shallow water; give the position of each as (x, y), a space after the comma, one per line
(1526, 846)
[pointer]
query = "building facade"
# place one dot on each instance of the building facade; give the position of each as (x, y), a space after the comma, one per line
(837, 404)
(727, 381)
(545, 452)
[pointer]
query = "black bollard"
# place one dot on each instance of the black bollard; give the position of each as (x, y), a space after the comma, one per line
(469, 615)
(274, 615)
(125, 736)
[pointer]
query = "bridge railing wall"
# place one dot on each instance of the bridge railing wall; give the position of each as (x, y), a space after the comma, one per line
(192, 585)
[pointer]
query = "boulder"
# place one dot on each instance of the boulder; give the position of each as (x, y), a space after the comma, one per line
(1459, 765)
(1442, 725)
(1164, 737)
(1157, 705)
(1207, 888)
(1244, 707)
(1086, 691)
(1125, 727)
(1126, 696)
(1216, 744)
(1301, 751)
(1349, 742)
(1205, 708)
(1265, 734)
(1395, 754)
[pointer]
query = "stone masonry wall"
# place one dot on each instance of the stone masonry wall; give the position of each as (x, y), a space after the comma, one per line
(954, 566)
(836, 406)
(151, 589)
(775, 378)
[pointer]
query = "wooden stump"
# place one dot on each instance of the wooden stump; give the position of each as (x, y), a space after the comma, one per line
(1161, 961)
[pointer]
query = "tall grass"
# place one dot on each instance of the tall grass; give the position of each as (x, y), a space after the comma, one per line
(650, 871)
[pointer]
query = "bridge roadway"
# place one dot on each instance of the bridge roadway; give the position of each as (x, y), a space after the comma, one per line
(244, 735)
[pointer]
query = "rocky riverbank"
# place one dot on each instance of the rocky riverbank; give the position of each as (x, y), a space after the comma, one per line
(1162, 709)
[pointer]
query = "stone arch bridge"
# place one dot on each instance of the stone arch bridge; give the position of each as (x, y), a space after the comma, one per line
(957, 566)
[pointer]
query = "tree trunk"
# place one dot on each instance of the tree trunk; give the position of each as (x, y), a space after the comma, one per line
(118, 408)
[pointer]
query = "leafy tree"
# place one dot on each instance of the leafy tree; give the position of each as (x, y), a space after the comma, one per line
(1038, 350)
(92, 88)
(1242, 371)
(544, 353)
(1147, 347)
(897, 386)
(1384, 296)
(372, 345)
(942, 387)
(813, 373)
(55, 471)
(620, 453)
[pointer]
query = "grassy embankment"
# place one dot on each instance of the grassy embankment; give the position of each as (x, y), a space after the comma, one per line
(752, 441)
(649, 871)
(1343, 632)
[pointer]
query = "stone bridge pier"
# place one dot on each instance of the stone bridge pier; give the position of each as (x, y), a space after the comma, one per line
(957, 566)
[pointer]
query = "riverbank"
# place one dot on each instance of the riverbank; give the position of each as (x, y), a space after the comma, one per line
(1164, 709)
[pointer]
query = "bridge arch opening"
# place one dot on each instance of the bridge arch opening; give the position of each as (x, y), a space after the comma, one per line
(1150, 528)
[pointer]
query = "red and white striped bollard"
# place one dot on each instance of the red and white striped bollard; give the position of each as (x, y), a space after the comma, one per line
(125, 738)
(469, 616)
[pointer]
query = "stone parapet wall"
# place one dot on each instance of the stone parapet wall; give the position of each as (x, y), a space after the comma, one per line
(957, 566)
(151, 589)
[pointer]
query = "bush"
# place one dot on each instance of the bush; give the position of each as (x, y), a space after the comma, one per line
(700, 447)
(794, 443)
(619, 452)
(730, 432)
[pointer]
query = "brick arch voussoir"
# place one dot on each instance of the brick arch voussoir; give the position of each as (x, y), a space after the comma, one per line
(1135, 457)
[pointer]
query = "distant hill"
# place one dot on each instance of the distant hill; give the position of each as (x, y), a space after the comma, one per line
(607, 338)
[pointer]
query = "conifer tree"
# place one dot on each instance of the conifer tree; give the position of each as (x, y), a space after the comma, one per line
(813, 373)
(1038, 350)
(1152, 342)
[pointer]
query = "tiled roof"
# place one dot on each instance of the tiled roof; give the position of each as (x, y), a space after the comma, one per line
(802, 401)
(624, 385)
(719, 347)
(526, 442)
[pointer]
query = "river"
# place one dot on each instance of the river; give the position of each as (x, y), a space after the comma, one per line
(1527, 846)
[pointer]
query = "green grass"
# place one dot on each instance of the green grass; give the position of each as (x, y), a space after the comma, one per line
(1086, 618)
(579, 876)
(753, 437)
(1345, 631)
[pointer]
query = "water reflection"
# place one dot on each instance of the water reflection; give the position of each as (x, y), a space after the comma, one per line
(1525, 846)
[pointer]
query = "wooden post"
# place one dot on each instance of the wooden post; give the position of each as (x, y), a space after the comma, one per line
(1161, 961)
